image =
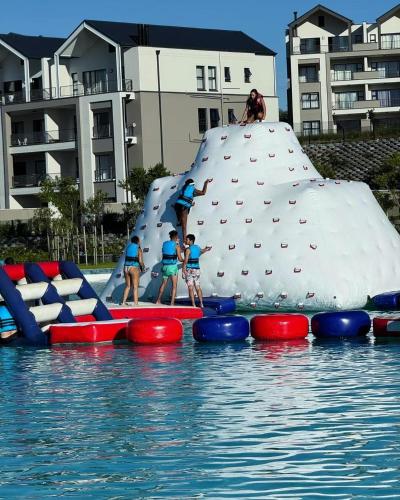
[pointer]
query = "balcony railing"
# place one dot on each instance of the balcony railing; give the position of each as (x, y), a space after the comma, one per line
(102, 131)
(386, 102)
(27, 180)
(106, 174)
(390, 44)
(102, 87)
(13, 97)
(50, 137)
(43, 94)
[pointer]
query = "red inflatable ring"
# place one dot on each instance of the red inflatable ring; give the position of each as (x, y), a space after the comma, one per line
(279, 326)
(154, 331)
(386, 327)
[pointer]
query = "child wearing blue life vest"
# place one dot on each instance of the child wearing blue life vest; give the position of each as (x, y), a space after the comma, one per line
(133, 265)
(191, 268)
(185, 201)
(8, 328)
(171, 254)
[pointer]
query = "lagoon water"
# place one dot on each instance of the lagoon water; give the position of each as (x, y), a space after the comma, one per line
(287, 420)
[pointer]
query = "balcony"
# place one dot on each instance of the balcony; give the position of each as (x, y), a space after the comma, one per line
(51, 137)
(102, 87)
(387, 102)
(43, 94)
(27, 180)
(391, 44)
(13, 97)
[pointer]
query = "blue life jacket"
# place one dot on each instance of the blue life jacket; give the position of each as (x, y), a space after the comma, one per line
(7, 322)
(186, 196)
(169, 255)
(132, 255)
(194, 256)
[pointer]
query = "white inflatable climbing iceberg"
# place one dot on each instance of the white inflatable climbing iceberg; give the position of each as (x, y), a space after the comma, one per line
(281, 236)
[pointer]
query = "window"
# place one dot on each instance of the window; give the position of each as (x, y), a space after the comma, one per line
(95, 82)
(387, 98)
(321, 21)
(200, 76)
(390, 41)
(227, 73)
(310, 45)
(104, 168)
(372, 38)
(387, 69)
(231, 116)
(102, 125)
(358, 38)
(308, 74)
(310, 101)
(202, 117)
(346, 100)
(212, 78)
(214, 117)
(311, 128)
(345, 71)
(247, 75)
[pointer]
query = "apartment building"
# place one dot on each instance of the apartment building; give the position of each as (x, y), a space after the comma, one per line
(115, 95)
(338, 71)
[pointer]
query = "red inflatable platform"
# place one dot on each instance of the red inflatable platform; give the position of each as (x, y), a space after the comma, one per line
(88, 333)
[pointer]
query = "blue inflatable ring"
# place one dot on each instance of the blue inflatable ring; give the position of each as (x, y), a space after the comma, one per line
(340, 324)
(221, 329)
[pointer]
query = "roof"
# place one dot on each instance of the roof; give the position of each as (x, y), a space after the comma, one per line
(33, 47)
(315, 9)
(175, 37)
(389, 13)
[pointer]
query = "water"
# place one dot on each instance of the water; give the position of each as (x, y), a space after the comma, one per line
(287, 420)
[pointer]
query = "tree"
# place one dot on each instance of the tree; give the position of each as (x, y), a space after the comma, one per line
(94, 209)
(139, 180)
(62, 194)
(386, 183)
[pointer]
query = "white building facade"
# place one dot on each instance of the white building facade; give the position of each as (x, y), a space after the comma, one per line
(339, 71)
(116, 95)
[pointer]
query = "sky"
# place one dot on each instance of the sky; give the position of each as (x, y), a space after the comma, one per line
(264, 20)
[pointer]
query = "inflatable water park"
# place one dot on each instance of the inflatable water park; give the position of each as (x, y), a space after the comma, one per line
(279, 237)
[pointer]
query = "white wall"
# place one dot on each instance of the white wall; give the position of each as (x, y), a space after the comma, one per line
(392, 25)
(178, 70)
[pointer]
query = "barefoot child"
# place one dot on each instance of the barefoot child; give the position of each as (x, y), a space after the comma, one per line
(132, 267)
(191, 268)
(171, 253)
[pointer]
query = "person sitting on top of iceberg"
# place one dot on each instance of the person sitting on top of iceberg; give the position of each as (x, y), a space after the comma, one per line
(255, 108)
(171, 253)
(191, 268)
(185, 201)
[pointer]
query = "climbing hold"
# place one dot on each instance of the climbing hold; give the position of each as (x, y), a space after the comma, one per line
(214, 203)
(300, 305)
(260, 183)
(221, 329)
(275, 219)
(257, 245)
(247, 136)
(237, 295)
(245, 272)
(210, 179)
(159, 224)
(234, 180)
(267, 202)
(337, 182)
(268, 272)
(173, 187)
(143, 227)
(291, 169)
(223, 137)
(227, 157)
(260, 295)
(249, 221)
(239, 202)
(223, 221)
(290, 150)
(305, 167)
(232, 247)
(287, 129)
(145, 249)
(253, 160)
(284, 245)
(321, 184)
(292, 202)
(296, 184)
(341, 324)
(310, 295)
(279, 327)
(156, 189)
(220, 274)
(313, 246)
(156, 207)
(271, 155)
(200, 222)
(297, 270)
(205, 158)
(253, 304)
(277, 305)
(283, 295)
(302, 221)
(154, 330)
(272, 130)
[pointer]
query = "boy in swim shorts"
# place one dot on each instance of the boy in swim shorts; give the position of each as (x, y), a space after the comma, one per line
(171, 254)
(191, 268)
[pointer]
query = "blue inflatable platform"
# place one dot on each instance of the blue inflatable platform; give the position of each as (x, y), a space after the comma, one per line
(388, 300)
(212, 305)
